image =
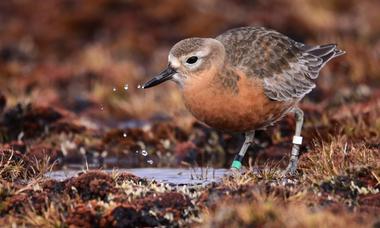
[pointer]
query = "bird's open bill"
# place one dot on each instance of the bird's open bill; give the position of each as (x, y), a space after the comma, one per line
(165, 75)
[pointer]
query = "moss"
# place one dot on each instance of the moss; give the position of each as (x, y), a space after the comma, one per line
(91, 185)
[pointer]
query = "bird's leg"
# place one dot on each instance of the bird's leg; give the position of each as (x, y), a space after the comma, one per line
(249, 136)
(297, 141)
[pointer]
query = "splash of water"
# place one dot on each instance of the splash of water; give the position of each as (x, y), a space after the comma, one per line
(150, 162)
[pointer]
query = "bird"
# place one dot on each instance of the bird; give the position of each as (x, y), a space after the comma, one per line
(246, 79)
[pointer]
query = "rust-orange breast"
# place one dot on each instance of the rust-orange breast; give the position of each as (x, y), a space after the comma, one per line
(247, 109)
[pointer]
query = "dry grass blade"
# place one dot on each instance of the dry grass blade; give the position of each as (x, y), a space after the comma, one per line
(51, 217)
(41, 167)
(10, 167)
(335, 158)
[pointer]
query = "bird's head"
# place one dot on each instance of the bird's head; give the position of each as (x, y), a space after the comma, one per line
(188, 59)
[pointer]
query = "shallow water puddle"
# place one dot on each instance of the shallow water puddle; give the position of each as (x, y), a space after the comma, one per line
(197, 176)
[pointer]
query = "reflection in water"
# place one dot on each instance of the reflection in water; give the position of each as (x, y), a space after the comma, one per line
(178, 176)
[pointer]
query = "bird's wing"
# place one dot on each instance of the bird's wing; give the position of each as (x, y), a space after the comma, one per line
(286, 67)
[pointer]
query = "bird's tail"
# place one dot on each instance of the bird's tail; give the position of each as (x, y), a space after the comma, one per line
(325, 52)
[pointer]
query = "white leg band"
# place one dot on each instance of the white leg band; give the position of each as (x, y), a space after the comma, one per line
(297, 140)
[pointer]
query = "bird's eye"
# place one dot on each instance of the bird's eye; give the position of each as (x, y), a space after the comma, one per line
(192, 60)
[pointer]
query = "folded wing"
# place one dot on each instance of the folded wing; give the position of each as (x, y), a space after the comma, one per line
(287, 68)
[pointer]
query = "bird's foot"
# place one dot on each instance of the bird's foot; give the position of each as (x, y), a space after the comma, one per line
(291, 170)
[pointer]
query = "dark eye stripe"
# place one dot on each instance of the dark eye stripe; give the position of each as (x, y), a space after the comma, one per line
(192, 60)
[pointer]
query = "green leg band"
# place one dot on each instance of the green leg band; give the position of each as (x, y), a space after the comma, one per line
(236, 164)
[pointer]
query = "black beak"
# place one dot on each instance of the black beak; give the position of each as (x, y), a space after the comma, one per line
(165, 75)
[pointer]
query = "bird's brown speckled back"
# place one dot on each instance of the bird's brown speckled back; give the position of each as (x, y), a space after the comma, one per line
(286, 67)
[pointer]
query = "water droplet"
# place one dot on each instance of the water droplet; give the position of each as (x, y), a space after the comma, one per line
(150, 161)
(125, 135)
(114, 89)
(139, 86)
(144, 153)
(126, 87)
